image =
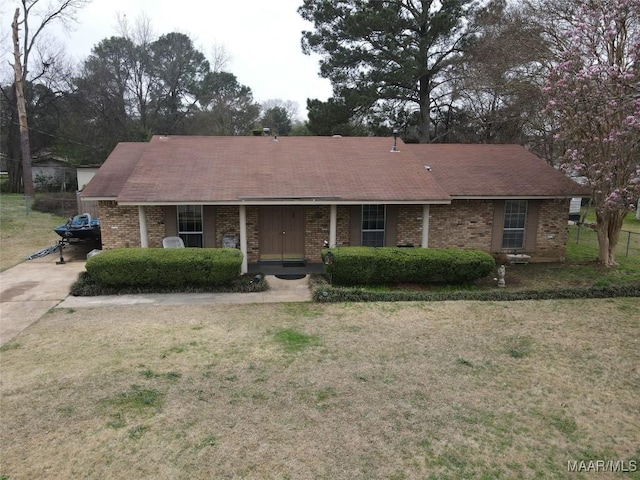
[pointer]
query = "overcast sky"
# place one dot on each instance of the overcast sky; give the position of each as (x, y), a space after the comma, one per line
(261, 37)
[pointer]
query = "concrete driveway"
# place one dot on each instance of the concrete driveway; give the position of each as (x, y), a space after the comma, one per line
(31, 288)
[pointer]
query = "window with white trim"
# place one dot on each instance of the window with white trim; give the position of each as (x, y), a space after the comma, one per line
(190, 225)
(515, 221)
(373, 223)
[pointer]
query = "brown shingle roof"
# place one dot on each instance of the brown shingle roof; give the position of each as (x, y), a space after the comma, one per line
(494, 171)
(184, 169)
(232, 169)
(113, 174)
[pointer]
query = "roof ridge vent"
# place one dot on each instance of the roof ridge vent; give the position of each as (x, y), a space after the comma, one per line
(394, 149)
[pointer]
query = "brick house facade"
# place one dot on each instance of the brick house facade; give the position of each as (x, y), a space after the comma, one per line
(467, 224)
(282, 199)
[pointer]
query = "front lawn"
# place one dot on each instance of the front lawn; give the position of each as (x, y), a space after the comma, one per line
(449, 390)
(23, 231)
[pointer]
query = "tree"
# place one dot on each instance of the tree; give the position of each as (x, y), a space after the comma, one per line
(61, 11)
(133, 86)
(226, 107)
(139, 38)
(180, 71)
(594, 92)
(497, 88)
(20, 73)
(392, 50)
(277, 120)
(289, 106)
(104, 104)
(106, 82)
(332, 117)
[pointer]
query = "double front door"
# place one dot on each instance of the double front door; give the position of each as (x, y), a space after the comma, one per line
(282, 233)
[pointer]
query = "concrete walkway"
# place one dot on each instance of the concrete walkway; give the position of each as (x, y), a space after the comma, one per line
(279, 291)
(32, 288)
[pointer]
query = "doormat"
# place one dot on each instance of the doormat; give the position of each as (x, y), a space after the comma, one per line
(292, 276)
(293, 264)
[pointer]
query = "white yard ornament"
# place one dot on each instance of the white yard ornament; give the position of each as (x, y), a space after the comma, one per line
(501, 273)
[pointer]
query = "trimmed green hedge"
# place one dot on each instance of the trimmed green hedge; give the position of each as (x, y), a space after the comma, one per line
(388, 265)
(86, 286)
(323, 292)
(171, 267)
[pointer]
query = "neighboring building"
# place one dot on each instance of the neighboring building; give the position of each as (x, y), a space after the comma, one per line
(84, 174)
(281, 199)
(51, 173)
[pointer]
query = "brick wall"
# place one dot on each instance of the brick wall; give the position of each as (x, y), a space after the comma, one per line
(469, 224)
(552, 231)
(343, 233)
(463, 224)
(156, 229)
(253, 247)
(317, 225)
(119, 226)
(409, 225)
(317, 221)
(227, 223)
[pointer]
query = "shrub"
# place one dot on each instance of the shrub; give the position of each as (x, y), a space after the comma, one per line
(165, 268)
(387, 265)
(323, 292)
(86, 286)
(4, 184)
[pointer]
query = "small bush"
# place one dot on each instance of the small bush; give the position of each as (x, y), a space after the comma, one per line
(165, 268)
(388, 265)
(4, 188)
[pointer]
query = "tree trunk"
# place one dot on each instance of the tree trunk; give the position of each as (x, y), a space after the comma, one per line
(609, 224)
(27, 179)
(12, 133)
(424, 121)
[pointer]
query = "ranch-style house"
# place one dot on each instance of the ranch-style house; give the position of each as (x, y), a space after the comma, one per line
(281, 199)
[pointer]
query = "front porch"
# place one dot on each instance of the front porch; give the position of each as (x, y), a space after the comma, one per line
(268, 233)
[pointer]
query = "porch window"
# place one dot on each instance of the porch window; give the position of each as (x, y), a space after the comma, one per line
(515, 220)
(373, 223)
(190, 225)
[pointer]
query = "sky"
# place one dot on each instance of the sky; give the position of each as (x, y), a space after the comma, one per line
(261, 37)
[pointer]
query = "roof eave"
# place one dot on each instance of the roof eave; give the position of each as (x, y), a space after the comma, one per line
(518, 197)
(98, 198)
(306, 202)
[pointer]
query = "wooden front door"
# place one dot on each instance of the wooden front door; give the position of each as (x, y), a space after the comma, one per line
(282, 233)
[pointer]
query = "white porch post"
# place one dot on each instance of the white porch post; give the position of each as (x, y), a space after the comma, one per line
(144, 237)
(425, 226)
(333, 226)
(243, 238)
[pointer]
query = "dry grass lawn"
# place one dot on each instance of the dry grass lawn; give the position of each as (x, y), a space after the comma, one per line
(306, 391)
(22, 234)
